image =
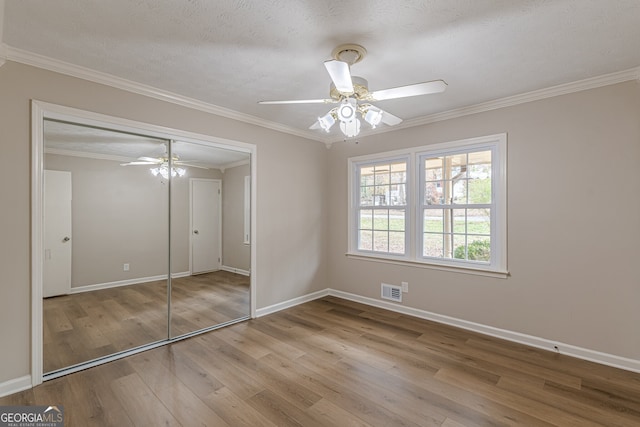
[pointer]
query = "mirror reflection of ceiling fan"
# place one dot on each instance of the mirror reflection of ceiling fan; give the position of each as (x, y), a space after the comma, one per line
(162, 165)
(353, 95)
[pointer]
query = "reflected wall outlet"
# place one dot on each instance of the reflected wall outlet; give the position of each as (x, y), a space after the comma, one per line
(125, 267)
(405, 287)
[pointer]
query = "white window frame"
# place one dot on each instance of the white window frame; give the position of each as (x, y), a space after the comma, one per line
(408, 209)
(497, 267)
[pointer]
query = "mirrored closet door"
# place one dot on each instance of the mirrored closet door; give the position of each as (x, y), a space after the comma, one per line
(144, 241)
(210, 257)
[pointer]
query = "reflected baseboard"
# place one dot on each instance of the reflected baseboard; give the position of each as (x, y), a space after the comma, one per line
(236, 270)
(135, 281)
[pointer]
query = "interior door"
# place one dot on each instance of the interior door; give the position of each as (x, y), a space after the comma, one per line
(57, 233)
(205, 225)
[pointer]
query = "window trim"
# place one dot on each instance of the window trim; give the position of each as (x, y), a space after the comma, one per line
(355, 204)
(413, 255)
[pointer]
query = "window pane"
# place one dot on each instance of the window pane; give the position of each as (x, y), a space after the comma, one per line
(456, 166)
(433, 169)
(433, 221)
(381, 219)
(381, 175)
(398, 172)
(366, 196)
(479, 248)
(432, 245)
(433, 193)
(396, 220)
(396, 242)
(381, 241)
(459, 246)
(366, 219)
(459, 220)
(480, 157)
(480, 191)
(480, 177)
(365, 240)
(381, 195)
(398, 195)
(479, 221)
(366, 176)
(460, 191)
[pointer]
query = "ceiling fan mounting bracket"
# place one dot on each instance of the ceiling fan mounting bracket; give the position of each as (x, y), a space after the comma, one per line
(349, 53)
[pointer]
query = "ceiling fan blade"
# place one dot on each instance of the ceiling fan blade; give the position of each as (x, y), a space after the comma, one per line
(300, 101)
(150, 159)
(425, 88)
(340, 75)
(316, 125)
(138, 163)
(389, 119)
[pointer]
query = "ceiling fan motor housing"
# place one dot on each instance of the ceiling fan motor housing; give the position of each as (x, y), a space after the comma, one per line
(347, 110)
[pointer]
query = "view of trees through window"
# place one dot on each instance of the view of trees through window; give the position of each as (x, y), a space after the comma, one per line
(457, 206)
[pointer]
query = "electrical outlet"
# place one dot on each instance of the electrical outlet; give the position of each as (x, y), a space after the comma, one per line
(405, 287)
(125, 267)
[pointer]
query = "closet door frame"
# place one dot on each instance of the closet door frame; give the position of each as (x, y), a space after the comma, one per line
(39, 112)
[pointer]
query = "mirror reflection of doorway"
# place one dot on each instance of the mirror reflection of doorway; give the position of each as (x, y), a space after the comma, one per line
(135, 273)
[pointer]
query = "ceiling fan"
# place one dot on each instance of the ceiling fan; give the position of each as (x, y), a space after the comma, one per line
(162, 165)
(353, 95)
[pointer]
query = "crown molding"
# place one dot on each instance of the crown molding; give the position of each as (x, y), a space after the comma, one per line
(510, 101)
(234, 165)
(40, 61)
(87, 155)
(44, 62)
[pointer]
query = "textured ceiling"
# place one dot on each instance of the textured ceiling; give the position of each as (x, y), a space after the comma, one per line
(232, 53)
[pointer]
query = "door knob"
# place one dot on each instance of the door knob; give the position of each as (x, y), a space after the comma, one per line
(196, 232)
(66, 239)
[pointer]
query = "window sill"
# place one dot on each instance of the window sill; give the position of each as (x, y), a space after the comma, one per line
(455, 269)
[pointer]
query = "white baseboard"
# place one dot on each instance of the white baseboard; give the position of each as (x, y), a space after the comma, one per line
(236, 270)
(127, 282)
(291, 303)
(530, 340)
(15, 385)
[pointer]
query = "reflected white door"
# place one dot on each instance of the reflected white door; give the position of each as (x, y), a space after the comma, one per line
(56, 278)
(205, 225)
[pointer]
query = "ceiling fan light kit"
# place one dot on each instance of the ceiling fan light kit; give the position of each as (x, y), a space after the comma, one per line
(348, 90)
(160, 165)
(326, 121)
(163, 171)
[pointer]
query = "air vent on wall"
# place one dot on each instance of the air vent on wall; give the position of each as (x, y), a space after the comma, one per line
(391, 292)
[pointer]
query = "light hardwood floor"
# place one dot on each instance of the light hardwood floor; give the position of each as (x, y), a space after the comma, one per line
(332, 362)
(85, 326)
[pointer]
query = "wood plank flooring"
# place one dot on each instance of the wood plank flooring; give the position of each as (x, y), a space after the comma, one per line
(333, 362)
(85, 326)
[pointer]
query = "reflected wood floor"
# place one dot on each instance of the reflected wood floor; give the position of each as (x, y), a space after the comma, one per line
(85, 326)
(333, 362)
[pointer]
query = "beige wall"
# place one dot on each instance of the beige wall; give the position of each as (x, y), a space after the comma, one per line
(573, 228)
(235, 253)
(296, 239)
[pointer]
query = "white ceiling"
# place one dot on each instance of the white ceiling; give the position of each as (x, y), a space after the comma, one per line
(233, 53)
